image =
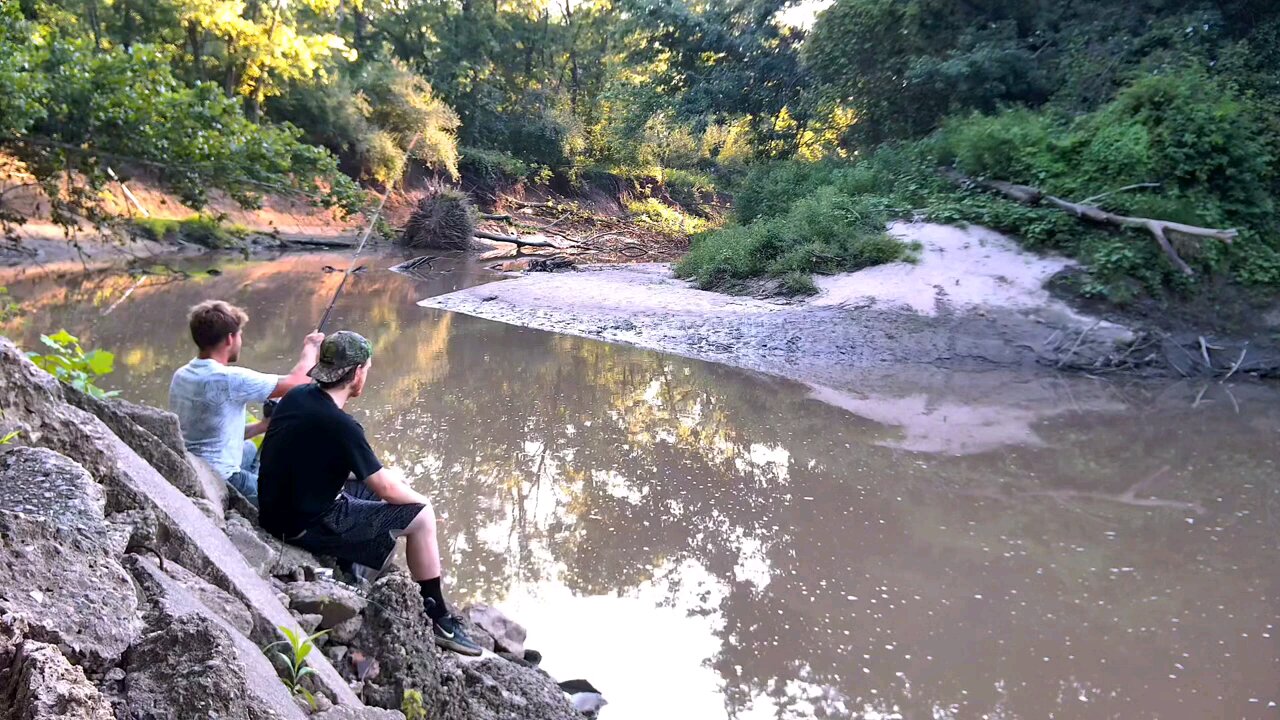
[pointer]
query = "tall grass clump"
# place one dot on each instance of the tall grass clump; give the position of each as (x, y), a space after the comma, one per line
(823, 232)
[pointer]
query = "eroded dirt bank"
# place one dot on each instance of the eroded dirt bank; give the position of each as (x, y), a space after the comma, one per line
(973, 301)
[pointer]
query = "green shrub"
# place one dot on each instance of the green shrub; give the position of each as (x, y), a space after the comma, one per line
(663, 217)
(687, 187)
(797, 283)
(156, 229)
(1014, 145)
(497, 166)
(768, 189)
(825, 232)
(203, 230)
(69, 363)
(8, 308)
(384, 157)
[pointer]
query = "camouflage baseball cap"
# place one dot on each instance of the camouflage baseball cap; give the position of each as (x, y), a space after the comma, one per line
(340, 352)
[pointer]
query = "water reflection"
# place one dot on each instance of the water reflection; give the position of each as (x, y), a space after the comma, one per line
(702, 542)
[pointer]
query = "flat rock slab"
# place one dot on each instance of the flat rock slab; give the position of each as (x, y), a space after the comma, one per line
(225, 675)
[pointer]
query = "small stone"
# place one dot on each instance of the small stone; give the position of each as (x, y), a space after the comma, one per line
(335, 602)
(336, 654)
(309, 622)
(345, 632)
(508, 635)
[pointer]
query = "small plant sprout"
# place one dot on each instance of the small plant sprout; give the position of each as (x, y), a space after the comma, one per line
(298, 647)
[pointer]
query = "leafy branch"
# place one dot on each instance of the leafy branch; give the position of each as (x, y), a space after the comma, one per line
(69, 363)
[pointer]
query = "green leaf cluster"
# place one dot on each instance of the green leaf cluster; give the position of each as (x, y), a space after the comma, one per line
(69, 363)
(290, 656)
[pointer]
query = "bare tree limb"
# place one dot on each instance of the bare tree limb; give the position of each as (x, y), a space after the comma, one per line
(516, 240)
(1140, 186)
(1159, 229)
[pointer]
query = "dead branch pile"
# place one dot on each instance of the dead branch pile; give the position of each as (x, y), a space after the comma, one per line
(444, 219)
(1161, 230)
(574, 230)
(1160, 353)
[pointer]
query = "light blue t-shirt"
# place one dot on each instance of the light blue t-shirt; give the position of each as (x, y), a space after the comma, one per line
(209, 399)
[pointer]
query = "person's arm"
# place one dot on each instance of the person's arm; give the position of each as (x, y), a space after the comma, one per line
(253, 430)
(306, 360)
(389, 484)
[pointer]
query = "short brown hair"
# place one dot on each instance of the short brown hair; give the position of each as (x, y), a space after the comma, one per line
(213, 320)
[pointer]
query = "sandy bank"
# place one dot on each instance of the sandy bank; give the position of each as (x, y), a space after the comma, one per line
(974, 301)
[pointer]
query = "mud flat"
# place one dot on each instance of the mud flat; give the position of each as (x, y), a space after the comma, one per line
(972, 301)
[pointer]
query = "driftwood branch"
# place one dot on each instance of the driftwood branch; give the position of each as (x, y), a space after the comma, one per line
(305, 242)
(1159, 229)
(517, 240)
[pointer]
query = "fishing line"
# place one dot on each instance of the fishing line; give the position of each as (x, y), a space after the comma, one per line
(363, 239)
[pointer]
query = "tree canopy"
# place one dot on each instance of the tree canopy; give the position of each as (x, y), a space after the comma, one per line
(1078, 97)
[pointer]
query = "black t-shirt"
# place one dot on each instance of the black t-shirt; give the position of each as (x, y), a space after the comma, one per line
(310, 449)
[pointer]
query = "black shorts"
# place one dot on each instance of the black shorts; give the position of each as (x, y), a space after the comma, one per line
(359, 528)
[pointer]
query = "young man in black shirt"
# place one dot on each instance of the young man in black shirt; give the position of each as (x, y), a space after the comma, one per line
(322, 488)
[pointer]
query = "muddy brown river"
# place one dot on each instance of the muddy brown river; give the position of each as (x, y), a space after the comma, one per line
(703, 542)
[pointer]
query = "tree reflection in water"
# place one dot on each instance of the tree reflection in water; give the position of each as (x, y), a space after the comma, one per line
(840, 570)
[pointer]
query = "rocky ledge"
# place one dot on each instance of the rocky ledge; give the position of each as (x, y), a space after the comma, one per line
(134, 584)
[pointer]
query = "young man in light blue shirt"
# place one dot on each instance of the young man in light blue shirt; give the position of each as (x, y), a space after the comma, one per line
(210, 394)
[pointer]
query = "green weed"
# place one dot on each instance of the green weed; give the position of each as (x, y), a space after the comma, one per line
(69, 363)
(203, 230)
(294, 661)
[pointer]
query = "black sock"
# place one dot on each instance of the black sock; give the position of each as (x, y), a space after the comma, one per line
(433, 590)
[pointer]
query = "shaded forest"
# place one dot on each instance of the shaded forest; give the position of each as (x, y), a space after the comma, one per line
(820, 127)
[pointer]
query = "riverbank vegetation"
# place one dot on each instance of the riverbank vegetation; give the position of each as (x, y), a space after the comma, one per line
(1018, 115)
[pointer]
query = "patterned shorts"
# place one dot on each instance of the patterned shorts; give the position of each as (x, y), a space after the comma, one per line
(359, 528)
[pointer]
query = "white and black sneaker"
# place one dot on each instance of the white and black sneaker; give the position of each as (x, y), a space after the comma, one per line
(450, 635)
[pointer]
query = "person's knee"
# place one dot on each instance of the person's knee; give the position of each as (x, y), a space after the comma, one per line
(423, 522)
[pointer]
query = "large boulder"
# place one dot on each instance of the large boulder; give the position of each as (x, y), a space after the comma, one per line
(225, 675)
(34, 403)
(220, 602)
(496, 689)
(57, 566)
(172, 464)
(268, 556)
(38, 683)
(160, 423)
(189, 668)
(397, 636)
(212, 487)
(333, 602)
(44, 484)
(344, 712)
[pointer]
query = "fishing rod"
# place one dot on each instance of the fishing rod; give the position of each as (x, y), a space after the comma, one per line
(363, 239)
